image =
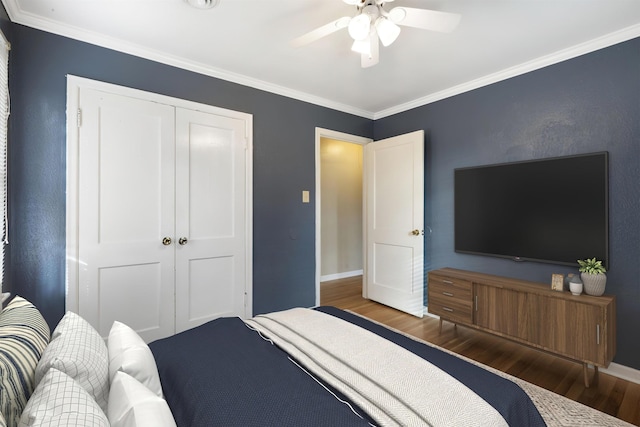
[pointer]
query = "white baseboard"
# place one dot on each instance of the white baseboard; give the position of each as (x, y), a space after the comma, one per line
(343, 275)
(426, 313)
(621, 371)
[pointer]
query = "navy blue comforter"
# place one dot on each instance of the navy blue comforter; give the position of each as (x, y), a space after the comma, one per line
(224, 374)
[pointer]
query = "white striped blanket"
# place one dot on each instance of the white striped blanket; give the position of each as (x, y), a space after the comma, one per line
(394, 386)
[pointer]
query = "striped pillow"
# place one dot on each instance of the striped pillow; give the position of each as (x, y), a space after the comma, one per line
(24, 334)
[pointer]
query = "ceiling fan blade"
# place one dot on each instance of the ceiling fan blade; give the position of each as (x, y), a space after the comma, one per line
(371, 58)
(425, 19)
(320, 32)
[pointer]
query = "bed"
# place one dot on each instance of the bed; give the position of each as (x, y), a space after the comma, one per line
(298, 367)
(261, 378)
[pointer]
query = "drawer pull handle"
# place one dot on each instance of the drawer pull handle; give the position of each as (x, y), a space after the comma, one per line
(449, 294)
(450, 310)
(448, 282)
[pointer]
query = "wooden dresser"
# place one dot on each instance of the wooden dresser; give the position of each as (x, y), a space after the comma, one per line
(581, 328)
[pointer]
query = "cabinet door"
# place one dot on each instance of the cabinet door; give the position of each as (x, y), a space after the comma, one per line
(531, 315)
(574, 329)
(497, 309)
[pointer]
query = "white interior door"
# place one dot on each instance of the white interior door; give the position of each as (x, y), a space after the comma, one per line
(394, 206)
(210, 217)
(125, 208)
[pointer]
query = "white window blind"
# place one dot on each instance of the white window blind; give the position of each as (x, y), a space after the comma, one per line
(4, 118)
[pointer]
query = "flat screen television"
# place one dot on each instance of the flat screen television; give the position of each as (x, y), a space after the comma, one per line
(552, 210)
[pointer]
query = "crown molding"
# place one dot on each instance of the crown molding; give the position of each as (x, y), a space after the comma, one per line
(581, 49)
(20, 17)
(33, 21)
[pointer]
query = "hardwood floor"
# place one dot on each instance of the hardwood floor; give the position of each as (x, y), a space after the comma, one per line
(610, 394)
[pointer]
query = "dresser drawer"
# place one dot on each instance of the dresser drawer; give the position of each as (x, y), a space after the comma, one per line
(450, 283)
(450, 287)
(451, 298)
(437, 288)
(450, 308)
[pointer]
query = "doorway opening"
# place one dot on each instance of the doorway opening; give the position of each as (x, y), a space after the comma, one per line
(339, 206)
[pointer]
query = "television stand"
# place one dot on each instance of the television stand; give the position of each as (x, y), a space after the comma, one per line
(580, 328)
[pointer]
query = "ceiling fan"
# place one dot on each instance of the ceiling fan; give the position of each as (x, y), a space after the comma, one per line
(373, 24)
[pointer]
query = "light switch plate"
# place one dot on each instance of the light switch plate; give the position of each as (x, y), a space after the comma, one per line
(305, 196)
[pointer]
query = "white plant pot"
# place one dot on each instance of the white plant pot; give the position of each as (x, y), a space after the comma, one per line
(594, 284)
(575, 288)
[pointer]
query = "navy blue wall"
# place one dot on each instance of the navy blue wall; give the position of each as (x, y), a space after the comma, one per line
(587, 104)
(284, 153)
(591, 103)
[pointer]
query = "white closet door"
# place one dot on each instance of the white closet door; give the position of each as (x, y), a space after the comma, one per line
(210, 216)
(126, 208)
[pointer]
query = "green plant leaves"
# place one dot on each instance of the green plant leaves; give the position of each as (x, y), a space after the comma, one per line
(591, 266)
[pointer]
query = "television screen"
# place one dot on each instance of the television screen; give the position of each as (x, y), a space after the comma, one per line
(551, 210)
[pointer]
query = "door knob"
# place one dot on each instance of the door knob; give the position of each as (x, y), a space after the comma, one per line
(416, 232)
(166, 241)
(182, 241)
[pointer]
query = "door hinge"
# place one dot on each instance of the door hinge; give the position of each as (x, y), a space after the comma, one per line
(79, 117)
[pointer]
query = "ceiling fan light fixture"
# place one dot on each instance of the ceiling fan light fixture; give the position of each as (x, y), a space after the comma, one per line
(387, 31)
(362, 46)
(397, 14)
(203, 4)
(373, 25)
(360, 26)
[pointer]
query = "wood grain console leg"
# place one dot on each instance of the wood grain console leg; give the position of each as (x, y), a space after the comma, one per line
(585, 373)
(585, 370)
(440, 330)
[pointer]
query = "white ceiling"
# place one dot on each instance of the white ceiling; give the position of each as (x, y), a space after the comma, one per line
(247, 41)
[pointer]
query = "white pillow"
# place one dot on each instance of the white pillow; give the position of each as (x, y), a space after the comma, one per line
(130, 354)
(131, 404)
(60, 401)
(80, 352)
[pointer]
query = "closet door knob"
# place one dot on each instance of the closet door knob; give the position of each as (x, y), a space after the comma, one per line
(182, 241)
(415, 232)
(166, 241)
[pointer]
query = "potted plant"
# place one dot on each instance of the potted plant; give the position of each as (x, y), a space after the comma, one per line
(593, 276)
